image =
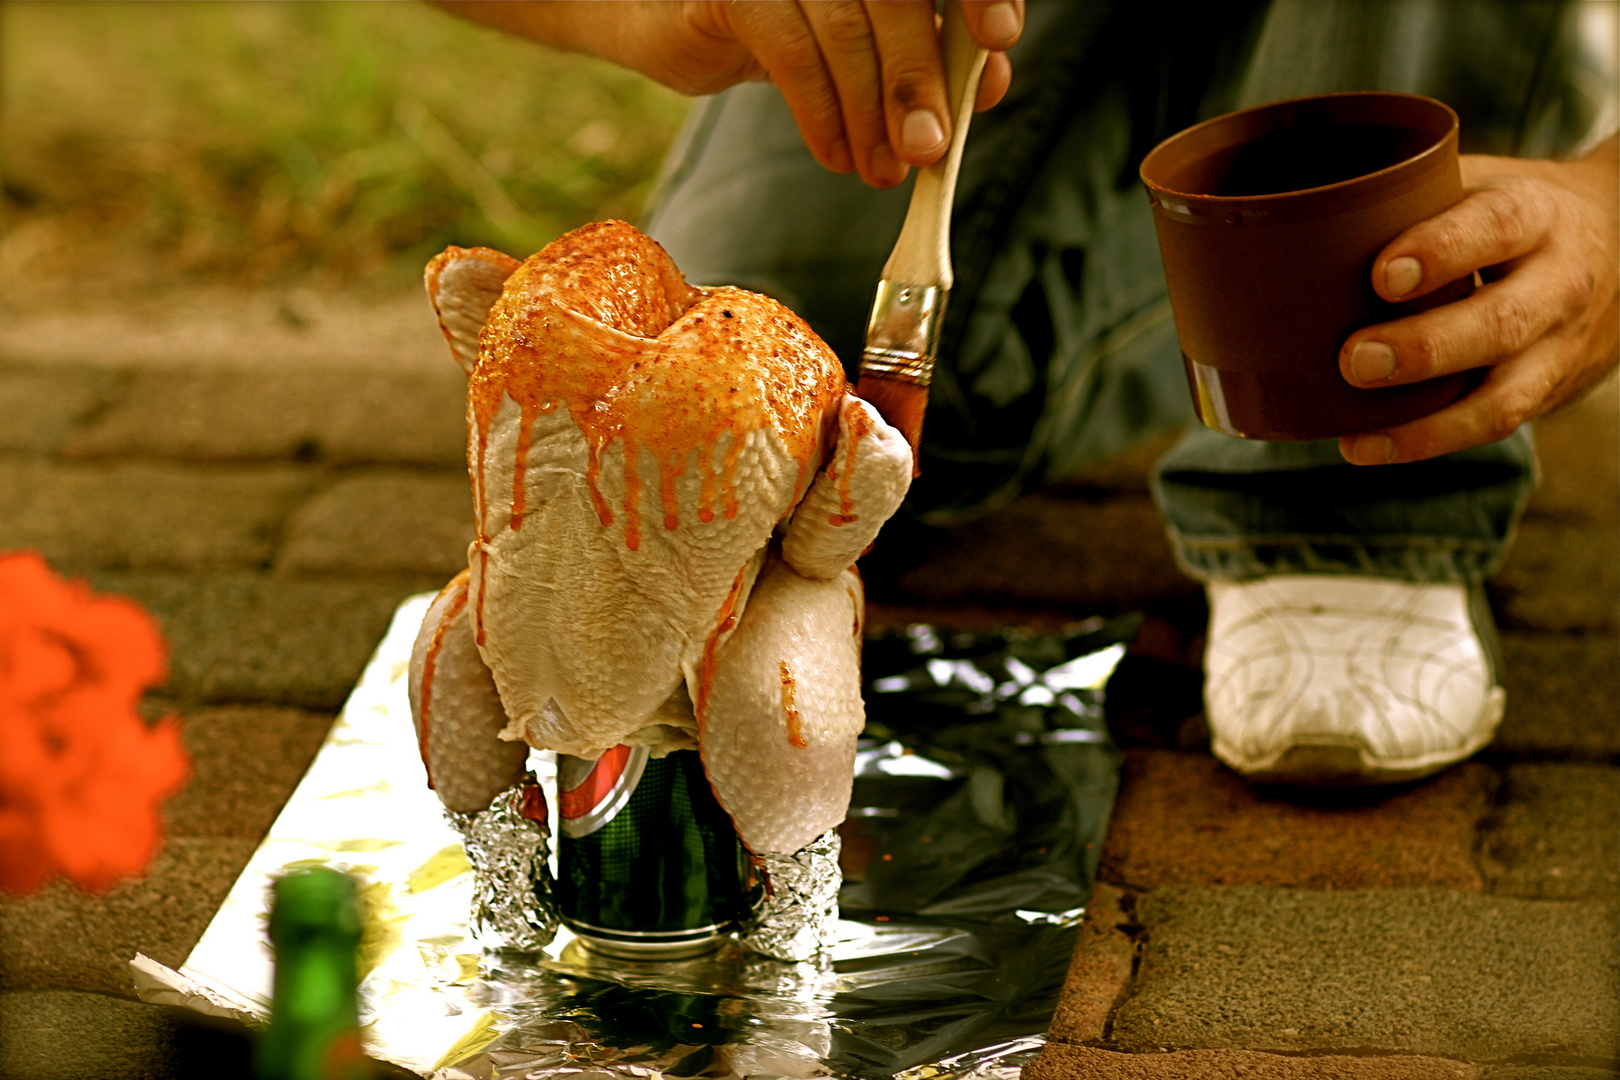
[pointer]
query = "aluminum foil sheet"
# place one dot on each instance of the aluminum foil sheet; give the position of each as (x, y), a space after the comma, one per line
(984, 784)
(509, 853)
(796, 917)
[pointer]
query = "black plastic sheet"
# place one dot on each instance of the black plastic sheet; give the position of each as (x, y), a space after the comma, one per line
(1001, 838)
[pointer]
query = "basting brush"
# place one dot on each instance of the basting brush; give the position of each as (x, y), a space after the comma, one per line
(902, 335)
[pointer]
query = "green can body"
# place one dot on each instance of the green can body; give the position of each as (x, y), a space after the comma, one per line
(649, 865)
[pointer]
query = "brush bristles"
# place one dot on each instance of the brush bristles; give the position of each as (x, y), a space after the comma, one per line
(901, 403)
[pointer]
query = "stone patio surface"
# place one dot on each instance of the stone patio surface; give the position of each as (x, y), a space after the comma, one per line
(271, 474)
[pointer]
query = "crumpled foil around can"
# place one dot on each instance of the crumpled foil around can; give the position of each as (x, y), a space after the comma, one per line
(508, 845)
(983, 786)
(796, 916)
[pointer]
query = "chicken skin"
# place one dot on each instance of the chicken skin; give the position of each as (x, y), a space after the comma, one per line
(671, 486)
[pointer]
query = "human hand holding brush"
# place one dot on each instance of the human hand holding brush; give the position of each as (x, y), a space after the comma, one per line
(874, 88)
(864, 81)
(902, 335)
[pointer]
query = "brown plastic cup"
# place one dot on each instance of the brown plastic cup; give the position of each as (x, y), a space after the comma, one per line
(1269, 220)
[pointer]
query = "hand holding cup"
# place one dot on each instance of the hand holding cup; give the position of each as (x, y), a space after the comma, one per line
(1545, 237)
(1269, 221)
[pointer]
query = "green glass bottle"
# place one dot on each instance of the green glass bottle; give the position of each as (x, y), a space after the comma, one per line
(314, 1031)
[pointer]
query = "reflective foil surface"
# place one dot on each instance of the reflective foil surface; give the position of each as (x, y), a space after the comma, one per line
(983, 788)
(509, 853)
(794, 915)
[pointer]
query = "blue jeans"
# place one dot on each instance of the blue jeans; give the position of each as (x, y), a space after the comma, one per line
(1059, 348)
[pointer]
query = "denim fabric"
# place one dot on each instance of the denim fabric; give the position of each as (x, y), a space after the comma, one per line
(1239, 509)
(1059, 349)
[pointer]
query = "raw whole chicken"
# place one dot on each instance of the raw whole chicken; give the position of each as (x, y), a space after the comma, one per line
(671, 486)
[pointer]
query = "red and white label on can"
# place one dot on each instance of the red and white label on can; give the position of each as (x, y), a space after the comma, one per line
(591, 793)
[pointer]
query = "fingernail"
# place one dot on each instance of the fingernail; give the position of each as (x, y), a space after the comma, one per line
(920, 132)
(999, 24)
(1372, 361)
(1402, 275)
(1373, 450)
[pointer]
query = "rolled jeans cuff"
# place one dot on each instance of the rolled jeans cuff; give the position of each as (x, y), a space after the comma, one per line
(1404, 558)
(1237, 509)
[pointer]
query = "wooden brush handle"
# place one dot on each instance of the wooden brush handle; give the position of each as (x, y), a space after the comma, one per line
(922, 255)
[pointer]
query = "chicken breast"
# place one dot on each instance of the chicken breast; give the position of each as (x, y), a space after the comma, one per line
(633, 443)
(671, 486)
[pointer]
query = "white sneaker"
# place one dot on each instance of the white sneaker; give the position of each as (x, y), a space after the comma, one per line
(1328, 679)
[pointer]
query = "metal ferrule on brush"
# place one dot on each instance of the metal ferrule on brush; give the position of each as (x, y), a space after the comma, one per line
(902, 337)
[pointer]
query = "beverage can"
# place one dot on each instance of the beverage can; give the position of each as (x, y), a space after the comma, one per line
(649, 864)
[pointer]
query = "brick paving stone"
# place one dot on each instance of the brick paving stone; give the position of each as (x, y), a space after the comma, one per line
(43, 406)
(1580, 456)
(146, 514)
(335, 414)
(1546, 1072)
(1563, 571)
(1561, 692)
(1556, 832)
(1560, 575)
(1101, 968)
(245, 761)
(1110, 553)
(209, 328)
(1185, 819)
(62, 939)
(1414, 971)
(384, 520)
(259, 638)
(1059, 1061)
(69, 1035)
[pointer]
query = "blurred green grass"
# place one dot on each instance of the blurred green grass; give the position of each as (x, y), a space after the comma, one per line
(249, 141)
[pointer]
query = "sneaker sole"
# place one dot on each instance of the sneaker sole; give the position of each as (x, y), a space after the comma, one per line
(1340, 764)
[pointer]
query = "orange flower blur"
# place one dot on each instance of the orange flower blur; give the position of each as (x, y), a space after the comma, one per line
(81, 775)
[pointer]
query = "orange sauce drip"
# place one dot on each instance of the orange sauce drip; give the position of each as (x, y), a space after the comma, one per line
(668, 473)
(860, 426)
(711, 648)
(480, 507)
(431, 663)
(706, 492)
(483, 582)
(431, 276)
(794, 731)
(517, 474)
(602, 323)
(762, 872)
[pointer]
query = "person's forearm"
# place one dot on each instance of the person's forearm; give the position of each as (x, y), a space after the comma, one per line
(865, 82)
(572, 25)
(653, 37)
